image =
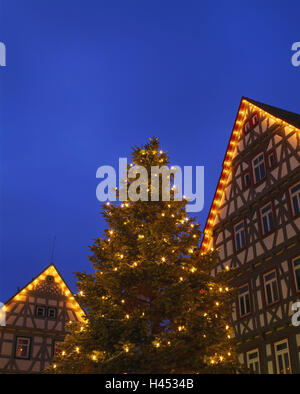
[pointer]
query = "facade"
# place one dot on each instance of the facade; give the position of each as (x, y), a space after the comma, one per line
(35, 323)
(254, 222)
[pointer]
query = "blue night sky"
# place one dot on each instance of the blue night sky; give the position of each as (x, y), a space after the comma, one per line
(87, 79)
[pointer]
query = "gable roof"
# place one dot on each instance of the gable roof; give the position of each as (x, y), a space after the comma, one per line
(286, 117)
(53, 271)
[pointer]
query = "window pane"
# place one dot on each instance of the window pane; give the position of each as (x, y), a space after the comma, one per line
(243, 238)
(295, 188)
(282, 346)
(269, 294)
(253, 355)
(271, 221)
(275, 291)
(22, 349)
(262, 170)
(265, 225)
(298, 279)
(296, 264)
(296, 205)
(238, 244)
(286, 360)
(242, 303)
(257, 177)
(280, 363)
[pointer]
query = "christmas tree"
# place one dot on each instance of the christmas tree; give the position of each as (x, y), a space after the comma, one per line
(152, 305)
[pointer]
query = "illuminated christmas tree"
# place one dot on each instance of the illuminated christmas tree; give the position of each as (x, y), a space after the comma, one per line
(151, 304)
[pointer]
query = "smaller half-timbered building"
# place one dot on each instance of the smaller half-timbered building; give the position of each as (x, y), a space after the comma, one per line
(254, 222)
(35, 323)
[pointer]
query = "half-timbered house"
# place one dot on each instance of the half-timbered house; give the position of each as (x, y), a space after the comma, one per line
(254, 222)
(35, 323)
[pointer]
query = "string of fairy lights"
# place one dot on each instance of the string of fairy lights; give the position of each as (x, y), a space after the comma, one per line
(50, 271)
(227, 164)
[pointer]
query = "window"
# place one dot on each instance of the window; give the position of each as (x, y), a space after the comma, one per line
(295, 199)
(22, 347)
(239, 236)
(271, 159)
(296, 269)
(267, 219)
(271, 287)
(247, 127)
(51, 313)
(250, 123)
(50, 278)
(246, 179)
(282, 357)
(253, 361)
(40, 311)
(259, 167)
(254, 120)
(244, 301)
(57, 348)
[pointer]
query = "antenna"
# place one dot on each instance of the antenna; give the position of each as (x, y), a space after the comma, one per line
(53, 247)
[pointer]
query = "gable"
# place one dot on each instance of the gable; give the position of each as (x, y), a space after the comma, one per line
(47, 289)
(236, 161)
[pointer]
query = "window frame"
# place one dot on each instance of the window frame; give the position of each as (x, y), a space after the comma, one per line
(45, 311)
(55, 309)
(251, 120)
(234, 237)
(291, 201)
(256, 183)
(264, 291)
(260, 215)
(28, 348)
(297, 291)
(245, 186)
(258, 357)
(244, 126)
(271, 152)
(55, 351)
(276, 343)
(239, 315)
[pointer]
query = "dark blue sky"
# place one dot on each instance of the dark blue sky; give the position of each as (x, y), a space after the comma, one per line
(86, 80)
